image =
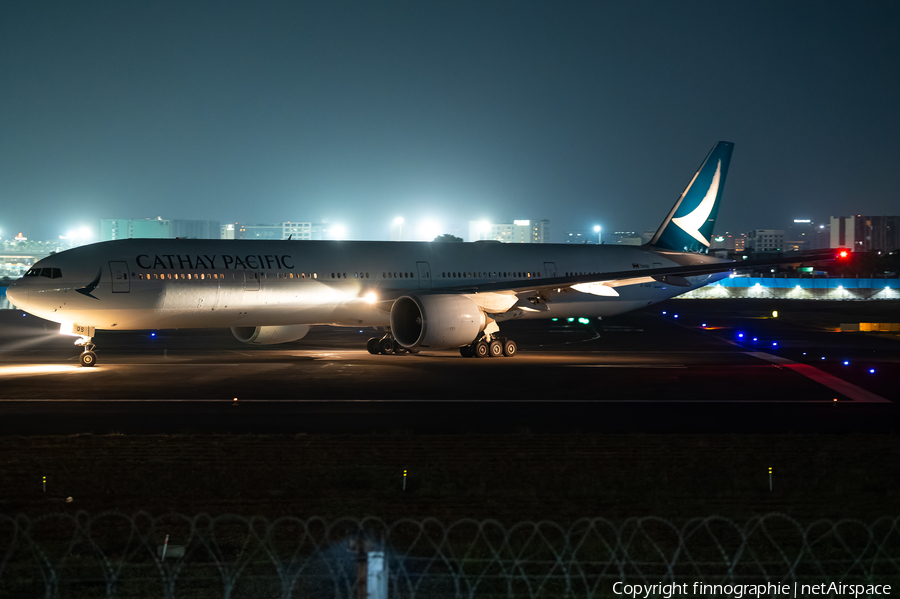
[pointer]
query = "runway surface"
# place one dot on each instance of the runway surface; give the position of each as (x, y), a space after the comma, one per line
(720, 366)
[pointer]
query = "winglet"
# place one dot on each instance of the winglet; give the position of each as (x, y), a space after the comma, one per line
(689, 225)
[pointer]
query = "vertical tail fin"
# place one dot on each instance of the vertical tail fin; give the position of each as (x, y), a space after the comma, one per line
(689, 225)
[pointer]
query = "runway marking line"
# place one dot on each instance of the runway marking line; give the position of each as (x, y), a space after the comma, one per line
(829, 380)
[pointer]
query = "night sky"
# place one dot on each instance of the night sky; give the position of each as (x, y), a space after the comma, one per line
(583, 113)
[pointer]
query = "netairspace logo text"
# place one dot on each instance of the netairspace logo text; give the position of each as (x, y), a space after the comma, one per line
(674, 589)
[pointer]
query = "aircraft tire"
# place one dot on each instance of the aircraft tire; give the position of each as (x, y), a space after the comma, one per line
(413, 351)
(495, 349)
(88, 359)
(481, 350)
(372, 345)
(466, 351)
(386, 346)
(509, 348)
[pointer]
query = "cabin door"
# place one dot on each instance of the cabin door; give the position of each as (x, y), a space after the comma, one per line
(424, 275)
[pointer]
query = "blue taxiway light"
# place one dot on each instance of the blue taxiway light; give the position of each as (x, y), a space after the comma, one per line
(823, 357)
(755, 338)
(152, 335)
(676, 316)
(774, 344)
(703, 325)
(846, 362)
(740, 335)
(871, 371)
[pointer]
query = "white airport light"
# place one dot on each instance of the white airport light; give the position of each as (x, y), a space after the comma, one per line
(599, 231)
(370, 298)
(337, 232)
(428, 230)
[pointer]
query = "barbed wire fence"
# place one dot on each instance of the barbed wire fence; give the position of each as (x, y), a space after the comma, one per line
(118, 555)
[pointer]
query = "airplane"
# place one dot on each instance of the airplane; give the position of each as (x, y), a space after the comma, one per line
(422, 295)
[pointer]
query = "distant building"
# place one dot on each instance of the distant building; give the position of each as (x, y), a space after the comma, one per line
(580, 237)
(518, 231)
(805, 234)
(627, 238)
(766, 240)
(286, 230)
(733, 242)
(865, 233)
(158, 228)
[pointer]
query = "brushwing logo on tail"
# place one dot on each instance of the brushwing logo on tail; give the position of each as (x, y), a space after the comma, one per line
(691, 223)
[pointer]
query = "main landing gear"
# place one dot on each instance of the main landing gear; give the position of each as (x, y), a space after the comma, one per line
(489, 347)
(87, 358)
(387, 345)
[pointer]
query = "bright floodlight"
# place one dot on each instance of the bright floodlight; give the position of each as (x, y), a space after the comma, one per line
(398, 220)
(428, 230)
(596, 228)
(338, 232)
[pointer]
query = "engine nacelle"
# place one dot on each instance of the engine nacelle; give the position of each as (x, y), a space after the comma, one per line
(270, 335)
(436, 321)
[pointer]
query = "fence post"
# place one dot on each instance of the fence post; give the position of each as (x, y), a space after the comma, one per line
(371, 570)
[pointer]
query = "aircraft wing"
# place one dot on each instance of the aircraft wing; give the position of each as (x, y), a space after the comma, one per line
(672, 275)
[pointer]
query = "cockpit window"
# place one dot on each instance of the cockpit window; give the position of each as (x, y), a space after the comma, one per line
(50, 273)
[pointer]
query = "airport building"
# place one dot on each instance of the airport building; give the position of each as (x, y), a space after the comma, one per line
(805, 234)
(865, 233)
(766, 240)
(518, 231)
(296, 231)
(158, 228)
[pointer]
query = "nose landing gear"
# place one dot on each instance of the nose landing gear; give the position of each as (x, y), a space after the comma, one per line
(87, 358)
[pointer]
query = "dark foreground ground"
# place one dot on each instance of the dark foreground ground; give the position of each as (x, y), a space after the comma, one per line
(505, 477)
(637, 415)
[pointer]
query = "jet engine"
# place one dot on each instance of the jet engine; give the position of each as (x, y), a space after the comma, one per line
(270, 335)
(436, 321)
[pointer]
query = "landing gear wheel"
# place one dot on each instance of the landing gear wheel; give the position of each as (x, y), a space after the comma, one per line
(386, 346)
(481, 350)
(372, 345)
(399, 349)
(88, 359)
(495, 349)
(466, 351)
(413, 351)
(509, 348)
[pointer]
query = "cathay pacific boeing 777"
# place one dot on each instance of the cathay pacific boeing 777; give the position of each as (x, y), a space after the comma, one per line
(422, 295)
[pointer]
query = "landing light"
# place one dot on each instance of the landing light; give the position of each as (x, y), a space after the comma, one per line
(370, 298)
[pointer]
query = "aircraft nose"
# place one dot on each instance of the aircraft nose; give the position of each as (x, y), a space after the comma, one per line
(17, 294)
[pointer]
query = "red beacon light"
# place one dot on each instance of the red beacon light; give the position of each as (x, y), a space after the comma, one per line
(843, 254)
